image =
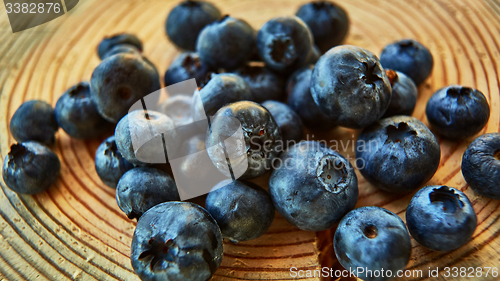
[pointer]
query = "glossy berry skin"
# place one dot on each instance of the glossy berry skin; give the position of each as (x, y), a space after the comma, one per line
(349, 85)
(243, 210)
(328, 22)
(142, 188)
(301, 101)
(313, 186)
(77, 114)
(404, 94)
(290, 124)
(397, 154)
(34, 120)
(121, 80)
(264, 84)
(261, 134)
(187, 19)
(481, 165)
(457, 112)
(410, 57)
(372, 238)
(30, 168)
(184, 67)
(110, 42)
(441, 218)
(226, 43)
(176, 241)
(120, 49)
(109, 162)
(284, 43)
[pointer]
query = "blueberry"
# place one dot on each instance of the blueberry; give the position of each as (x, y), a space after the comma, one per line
(441, 218)
(284, 43)
(404, 94)
(121, 80)
(110, 42)
(288, 121)
(457, 112)
(176, 241)
(349, 85)
(140, 134)
(264, 84)
(261, 134)
(375, 239)
(243, 211)
(301, 101)
(186, 66)
(187, 19)
(109, 163)
(77, 114)
(30, 168)
(226, 43)
(313, 56)
(178, 108)
(397, 154)
(120, 49)
(410, 57)
(481, 165)
(142, 188)
(34, 120)
(313, 186)
(328, 22)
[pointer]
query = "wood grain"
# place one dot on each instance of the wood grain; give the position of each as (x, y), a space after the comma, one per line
(75, 231)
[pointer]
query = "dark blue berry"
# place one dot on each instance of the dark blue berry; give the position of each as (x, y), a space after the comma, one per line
(264, 84)
(290, 124)
(186, 66)
(120, 49)
(110, 42)
(404, 94)
(34, 120)
(109, 163)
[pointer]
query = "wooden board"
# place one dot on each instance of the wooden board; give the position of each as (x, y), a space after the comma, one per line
(76, 231)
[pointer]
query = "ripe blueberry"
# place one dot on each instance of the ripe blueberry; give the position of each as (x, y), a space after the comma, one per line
(34, 120)
(110, 42)
(404, 94)
(109, 162)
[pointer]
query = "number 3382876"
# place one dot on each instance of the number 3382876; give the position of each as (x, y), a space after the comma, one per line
(32, 8)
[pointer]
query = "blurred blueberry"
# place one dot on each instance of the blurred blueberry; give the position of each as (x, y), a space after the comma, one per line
(186, 66)
(404, 94)
(110, 42)
(34, 120)
(109, 163)
(264, 84)
(120, 49)
(290, 124)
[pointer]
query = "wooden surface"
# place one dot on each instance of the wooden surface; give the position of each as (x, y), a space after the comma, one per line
(76, 231)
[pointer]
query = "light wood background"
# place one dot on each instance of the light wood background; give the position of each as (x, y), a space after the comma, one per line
(76, 231)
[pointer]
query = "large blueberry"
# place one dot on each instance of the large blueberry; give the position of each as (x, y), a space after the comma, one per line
(226, 43)
(371, 239)
(481, 165)
(243, 210)
(30, 168)
(34, 120)
(313, 186)
(264, 84)
(457, 112)
(109, 162)
(186, 66)
(187, 19)
(176, 241)
(290, 124)
(121, 80)
(110, 42)
(349, 85)
(404, 94)
(410, 57)
(328, 22)
(397, 154)
(441, 218)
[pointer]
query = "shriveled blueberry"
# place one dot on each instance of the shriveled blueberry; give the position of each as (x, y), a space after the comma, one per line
(404, 94)
(187, 19)
(34, 120)
(481, 165)
(142, 188)
(227, 43)
(110, 42)
(375, 239)
(264, 84)
(290, 124)
(410, 57)
(284, 43)
(176, 241)
(122, 48)
(397, 154)
(313, 186)
(77, 114)
(349, 85)
(441, 218)
(30, 168)
(186, 66)
(109, 162)
(328, 22)
(243, 210)
(457, 112)
(121, 80)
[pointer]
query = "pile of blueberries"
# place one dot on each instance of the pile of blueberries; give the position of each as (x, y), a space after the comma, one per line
(289, 75)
